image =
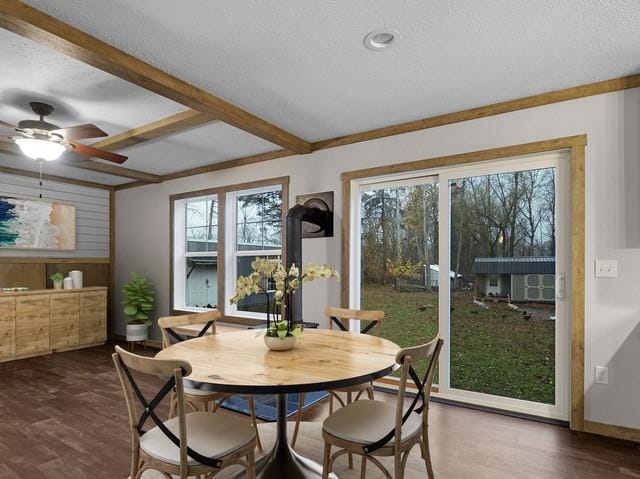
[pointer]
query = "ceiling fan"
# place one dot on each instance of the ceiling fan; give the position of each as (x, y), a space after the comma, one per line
(41, 140)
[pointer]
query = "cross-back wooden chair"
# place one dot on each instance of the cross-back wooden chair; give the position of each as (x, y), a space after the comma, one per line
(339, 318)
(196, 399)
(190, 444)
(372, 428)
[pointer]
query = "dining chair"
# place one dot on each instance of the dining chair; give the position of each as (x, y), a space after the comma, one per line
(196, 399)
(191, 444)
(339, 317)
(372, 429)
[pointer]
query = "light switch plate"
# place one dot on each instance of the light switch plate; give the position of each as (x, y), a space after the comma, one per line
(606, 268)
(602, 375)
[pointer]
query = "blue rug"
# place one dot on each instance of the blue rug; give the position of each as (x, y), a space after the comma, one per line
(266, 404)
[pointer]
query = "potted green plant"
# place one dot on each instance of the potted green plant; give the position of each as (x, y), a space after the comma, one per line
(139, 297)
(57, 279)
(281, 330)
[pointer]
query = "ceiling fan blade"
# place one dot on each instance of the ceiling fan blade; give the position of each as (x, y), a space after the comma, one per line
(80, 132)
(4, 124)
(96, 153)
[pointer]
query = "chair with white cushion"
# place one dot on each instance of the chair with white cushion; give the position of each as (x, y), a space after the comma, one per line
(372, 429)
(196, 399)
(193, 444)
(339, 317)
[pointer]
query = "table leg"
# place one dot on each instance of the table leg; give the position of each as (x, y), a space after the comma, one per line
(282, 461)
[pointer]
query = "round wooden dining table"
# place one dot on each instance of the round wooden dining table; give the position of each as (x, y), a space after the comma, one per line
(239, 362)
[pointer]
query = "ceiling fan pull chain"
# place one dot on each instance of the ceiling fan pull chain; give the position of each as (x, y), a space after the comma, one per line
(40, 164)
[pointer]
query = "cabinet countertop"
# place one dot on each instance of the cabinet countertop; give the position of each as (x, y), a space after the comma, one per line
(52, 291)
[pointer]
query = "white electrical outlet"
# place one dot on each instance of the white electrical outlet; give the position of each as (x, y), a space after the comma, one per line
(602, 375)
(606, 268)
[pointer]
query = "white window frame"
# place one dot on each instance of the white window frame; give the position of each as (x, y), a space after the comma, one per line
(231, 252)
(180, 253)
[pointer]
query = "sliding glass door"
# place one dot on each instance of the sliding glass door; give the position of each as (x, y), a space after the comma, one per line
(398, 223)
(499, 302)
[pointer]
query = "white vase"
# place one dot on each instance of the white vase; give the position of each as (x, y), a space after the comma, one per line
(76, 276)
(68, 283)
(137, 332)
(58, 284)
(278, 344)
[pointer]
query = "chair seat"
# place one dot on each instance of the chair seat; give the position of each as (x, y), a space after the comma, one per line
(212, 435)
(365, 422)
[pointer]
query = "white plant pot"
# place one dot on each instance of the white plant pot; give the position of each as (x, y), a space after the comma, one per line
(58, 284)
(137, 332)
(277, 344)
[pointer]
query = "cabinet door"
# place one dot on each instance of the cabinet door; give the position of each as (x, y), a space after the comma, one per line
(65, 320)
(7, 327)
(93, 317)
(32, 324)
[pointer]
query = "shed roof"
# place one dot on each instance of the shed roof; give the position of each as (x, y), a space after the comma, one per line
(511, 265)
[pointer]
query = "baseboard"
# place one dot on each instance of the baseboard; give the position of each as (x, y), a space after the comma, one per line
(610, 430)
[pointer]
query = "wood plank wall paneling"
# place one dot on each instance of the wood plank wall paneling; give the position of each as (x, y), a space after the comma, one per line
(27, 275)
(92, 274)
(92, 214)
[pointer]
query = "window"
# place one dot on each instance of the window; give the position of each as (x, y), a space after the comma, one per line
(493, 281)
(216, 235)
(256, 232)
(196, 253)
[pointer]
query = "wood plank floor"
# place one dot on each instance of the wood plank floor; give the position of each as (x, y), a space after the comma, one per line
(63, 416)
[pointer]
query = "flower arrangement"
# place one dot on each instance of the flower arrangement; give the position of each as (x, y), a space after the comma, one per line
(280, 321)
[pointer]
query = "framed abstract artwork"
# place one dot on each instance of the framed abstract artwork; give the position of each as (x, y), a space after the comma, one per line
(36, 224)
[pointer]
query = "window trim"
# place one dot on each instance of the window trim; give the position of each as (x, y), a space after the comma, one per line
(221, 193)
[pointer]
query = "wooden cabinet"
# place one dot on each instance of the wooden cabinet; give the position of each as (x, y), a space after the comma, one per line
(38, 322)
(32, 324)
(7, 327)
(64, 320)
(93, 317)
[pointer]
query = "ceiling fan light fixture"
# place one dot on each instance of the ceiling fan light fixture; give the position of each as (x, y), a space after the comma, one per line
(37, 149)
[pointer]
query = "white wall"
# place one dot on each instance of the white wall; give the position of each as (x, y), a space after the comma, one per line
(92, 214)
(612, 123)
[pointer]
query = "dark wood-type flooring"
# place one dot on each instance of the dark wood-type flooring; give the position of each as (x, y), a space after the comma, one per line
(63, 416)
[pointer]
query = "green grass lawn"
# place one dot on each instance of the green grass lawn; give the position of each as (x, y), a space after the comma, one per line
(494, 351)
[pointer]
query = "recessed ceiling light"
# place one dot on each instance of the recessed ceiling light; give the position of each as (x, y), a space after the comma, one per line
(380, 39)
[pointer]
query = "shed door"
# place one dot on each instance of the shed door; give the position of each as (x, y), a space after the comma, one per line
(539, 287)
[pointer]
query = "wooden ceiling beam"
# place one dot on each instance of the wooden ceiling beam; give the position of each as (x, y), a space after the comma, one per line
(111, 170)
(60, 179)
(151, 131)
(31, 23)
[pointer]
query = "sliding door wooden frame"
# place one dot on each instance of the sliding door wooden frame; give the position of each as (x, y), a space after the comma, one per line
(576, 147)
(221, 194)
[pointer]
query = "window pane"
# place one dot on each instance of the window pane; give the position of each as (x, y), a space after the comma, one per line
(272, 235)
(202, 225)
(259, 221)
(249, 237)
(197, 213)
(258, 302)
(202, 282)
(250, 208)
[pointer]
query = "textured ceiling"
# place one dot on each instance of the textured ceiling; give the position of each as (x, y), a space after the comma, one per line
(302, 65)
(80, 93)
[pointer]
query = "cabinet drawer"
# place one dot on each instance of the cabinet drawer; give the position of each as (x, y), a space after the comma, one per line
(64, 320)
(93, 317)
(32, 324)
(7, 327)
